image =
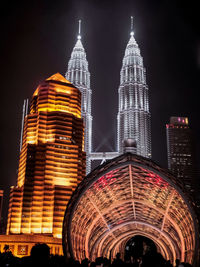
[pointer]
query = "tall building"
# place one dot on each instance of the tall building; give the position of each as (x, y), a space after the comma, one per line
(180, 150)
(51, 163)
(79, 75)
(133, 119)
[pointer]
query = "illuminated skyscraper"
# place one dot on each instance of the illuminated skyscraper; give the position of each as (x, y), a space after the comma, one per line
(78, 74)
(52, 161)
(180, 150)
(133, 117)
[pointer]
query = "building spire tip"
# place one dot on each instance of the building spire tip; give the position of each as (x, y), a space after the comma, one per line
(132, 32)
(79, 29)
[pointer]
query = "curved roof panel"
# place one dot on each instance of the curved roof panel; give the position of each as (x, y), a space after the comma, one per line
(127, 196)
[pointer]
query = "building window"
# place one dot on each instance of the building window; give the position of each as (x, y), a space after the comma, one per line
(57, 250)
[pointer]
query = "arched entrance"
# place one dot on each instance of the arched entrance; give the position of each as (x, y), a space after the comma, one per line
(137, 246)
(128, 196)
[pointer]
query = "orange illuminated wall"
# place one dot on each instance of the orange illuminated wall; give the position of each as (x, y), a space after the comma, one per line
(52, 161)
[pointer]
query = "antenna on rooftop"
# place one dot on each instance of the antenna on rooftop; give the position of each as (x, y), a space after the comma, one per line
(132, 32)
(24, 114)
(79, 29)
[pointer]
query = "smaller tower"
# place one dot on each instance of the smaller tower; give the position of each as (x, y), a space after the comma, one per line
(180, 150)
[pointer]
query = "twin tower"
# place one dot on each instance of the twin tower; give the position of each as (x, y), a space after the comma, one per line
(133, 118)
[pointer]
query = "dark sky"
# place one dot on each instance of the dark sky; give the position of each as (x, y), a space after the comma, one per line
(37, 40)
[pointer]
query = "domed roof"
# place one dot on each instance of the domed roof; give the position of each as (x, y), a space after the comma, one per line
(127, 196)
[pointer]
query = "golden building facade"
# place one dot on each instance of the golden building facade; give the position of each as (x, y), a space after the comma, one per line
(52, 161)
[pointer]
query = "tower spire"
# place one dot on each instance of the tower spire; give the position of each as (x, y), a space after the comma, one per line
(132, 32)
(78, 74)
(79, 29)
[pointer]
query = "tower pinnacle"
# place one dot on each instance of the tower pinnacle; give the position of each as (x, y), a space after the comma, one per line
(79, 30)
(132, 32)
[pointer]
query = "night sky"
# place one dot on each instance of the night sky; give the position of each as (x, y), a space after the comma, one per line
(37, 40)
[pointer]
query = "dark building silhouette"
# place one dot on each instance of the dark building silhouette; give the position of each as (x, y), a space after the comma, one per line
(180, 151)
(1, 201)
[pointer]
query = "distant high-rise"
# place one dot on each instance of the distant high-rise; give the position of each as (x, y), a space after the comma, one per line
(133, 113)
(52, 160)
(180, 150)
(78, 74)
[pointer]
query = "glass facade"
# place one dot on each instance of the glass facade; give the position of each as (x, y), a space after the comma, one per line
(180, 151)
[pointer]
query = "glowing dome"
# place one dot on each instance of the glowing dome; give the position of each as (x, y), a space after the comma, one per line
(127, 196)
